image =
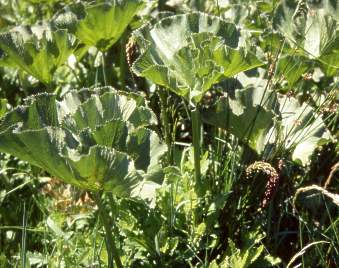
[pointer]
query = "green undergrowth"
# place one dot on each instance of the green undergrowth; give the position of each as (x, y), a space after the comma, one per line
(169, 133)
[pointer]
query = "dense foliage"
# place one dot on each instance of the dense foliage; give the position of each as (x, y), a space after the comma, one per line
(181, 133)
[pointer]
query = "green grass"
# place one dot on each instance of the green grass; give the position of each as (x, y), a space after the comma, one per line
(207, 211)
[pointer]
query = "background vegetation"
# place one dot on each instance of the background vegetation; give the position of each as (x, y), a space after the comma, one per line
(217, 146)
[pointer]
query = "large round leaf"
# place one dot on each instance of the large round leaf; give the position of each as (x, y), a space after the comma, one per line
(94, 139)
(269, 122)
(301, 129)
(248, 114)
(189, 53)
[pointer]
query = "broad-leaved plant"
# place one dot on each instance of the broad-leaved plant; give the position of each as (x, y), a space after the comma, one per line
(93, 139)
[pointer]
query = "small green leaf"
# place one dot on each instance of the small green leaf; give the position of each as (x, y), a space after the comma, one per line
(3, 107)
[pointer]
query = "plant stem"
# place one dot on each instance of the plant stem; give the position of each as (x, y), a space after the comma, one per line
(112, 251)
(23, 237)
(196, 129)
(103, 68)
(166, 124)
(123, 62)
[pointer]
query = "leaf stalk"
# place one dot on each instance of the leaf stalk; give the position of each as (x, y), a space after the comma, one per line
(106, 220)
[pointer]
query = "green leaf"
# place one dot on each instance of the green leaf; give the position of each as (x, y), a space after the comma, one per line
(141, 141)
(189, 53)
(42, 148)
(269, 122)
(38, 51)
(248, 115)
(301, 130)
(3, 107)
(55, 228)
(111, 134)
(99, 25)
(292, 67)
(97, 110)
(141, 224)
(106, 169)
(312, 28)
(250, 253)
(235, 61)
(81, 139)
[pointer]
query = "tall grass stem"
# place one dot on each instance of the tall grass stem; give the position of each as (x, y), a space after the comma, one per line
(196, 129)
(23, 238)
(123, 62)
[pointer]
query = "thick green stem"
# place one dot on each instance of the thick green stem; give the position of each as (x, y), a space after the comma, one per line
(196, 129)
(112, 250)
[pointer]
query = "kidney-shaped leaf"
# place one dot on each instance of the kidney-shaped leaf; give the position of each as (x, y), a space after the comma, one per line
(82, 138)
(189, 53)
